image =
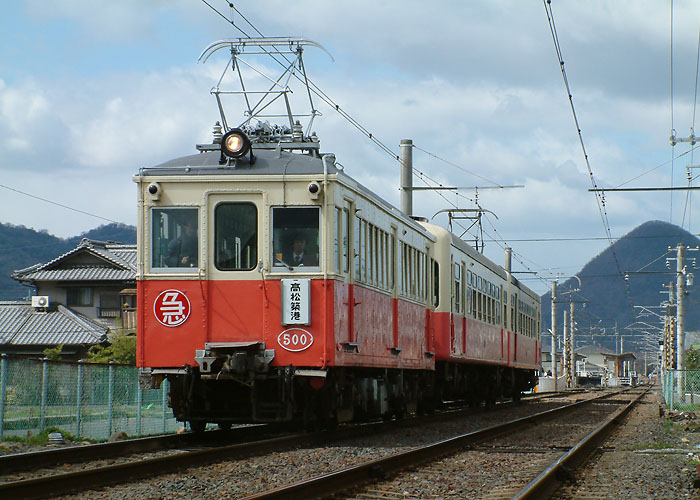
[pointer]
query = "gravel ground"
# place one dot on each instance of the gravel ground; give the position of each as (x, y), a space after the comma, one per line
(237, 479)
(647, 458)
(498, 468)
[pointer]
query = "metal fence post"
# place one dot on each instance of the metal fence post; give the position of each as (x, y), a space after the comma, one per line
(669, 383)
(139, 403)
(79, 402)
(111, 397)
(44, 392)
(3, 391)
(164, 387)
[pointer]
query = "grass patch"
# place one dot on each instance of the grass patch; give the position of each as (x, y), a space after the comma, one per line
(42, 438)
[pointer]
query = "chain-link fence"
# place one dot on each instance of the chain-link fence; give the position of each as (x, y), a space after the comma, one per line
(681, 389)
(88, 400)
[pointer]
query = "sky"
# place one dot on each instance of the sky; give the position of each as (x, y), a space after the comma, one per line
(92, 91)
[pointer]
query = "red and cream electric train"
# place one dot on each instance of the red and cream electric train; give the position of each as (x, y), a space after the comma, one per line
(274, 287)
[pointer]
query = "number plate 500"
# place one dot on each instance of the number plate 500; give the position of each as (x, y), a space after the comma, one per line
(295, 339)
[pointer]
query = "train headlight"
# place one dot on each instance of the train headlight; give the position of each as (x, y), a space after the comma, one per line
(235, 143)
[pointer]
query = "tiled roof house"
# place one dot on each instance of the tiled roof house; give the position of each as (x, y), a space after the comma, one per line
(85, 293)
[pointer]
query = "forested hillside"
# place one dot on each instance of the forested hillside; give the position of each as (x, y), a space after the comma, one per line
(607, 297)
(21, 247)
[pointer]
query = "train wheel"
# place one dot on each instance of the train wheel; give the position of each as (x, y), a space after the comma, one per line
(197, 426)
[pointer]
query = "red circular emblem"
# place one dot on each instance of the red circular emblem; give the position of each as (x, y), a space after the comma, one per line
(172, 308)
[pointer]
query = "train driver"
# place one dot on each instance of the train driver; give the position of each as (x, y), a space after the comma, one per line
(182, 251)
(298, 255)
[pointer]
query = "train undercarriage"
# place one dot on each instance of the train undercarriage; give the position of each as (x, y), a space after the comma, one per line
(319, 399)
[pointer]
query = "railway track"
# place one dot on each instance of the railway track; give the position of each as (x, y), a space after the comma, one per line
(134, 459)
(515, 459)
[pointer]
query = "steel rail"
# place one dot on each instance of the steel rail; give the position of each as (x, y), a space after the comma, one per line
(69, 482)
(547, 482)
(334, 482)
(80, 453)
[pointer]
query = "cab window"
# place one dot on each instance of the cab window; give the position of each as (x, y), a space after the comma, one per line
(175, 239)
(295, 242)
(236, 236)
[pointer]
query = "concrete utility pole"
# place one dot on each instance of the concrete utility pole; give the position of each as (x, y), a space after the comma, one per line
(406, 159)
(680, 312)
(554, 333)
(567, 346)
(573, 345)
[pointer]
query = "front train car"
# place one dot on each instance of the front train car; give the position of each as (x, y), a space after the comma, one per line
(269, 288)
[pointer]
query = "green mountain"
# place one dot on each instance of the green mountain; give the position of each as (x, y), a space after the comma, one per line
(633, 272)
(21, 247)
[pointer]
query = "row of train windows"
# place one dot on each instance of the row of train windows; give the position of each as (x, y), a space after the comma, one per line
(482, 301)
(374, 257)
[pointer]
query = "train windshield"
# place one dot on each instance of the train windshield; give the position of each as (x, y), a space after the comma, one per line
(175, 238)
(236, 236)
(295, 237)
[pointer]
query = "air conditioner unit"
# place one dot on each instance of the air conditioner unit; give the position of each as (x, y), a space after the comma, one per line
(40, 301)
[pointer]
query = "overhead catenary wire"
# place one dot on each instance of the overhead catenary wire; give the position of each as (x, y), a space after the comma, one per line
(422, 176)
(673, 130)
(58, 204)
(688, 198)
(600, 199)
(323, 96)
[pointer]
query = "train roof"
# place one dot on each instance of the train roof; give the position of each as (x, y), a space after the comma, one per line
(485, 261)
(271, 162)
(267, 162)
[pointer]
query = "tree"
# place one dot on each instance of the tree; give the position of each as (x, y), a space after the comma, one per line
(692, 359)
(121, 350)
(54, 353)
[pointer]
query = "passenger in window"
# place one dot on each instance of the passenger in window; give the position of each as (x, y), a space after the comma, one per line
(298, 254)
(182, 251)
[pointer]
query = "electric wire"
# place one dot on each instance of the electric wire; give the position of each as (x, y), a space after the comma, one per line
(688, 198)
(59, 204)
(673, 130)
(323, 96)
(658, 167)
(457, 166)
(318, 92)
(600, 197)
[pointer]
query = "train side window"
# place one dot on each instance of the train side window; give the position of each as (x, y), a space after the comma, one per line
(357, 237)
(295, 240)
(174, 238)
(436, 284)
(392, 261)
(457, 288)
(338, 237)
(346, 241)
(236, 236)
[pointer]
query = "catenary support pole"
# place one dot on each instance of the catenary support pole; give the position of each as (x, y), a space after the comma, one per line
(572, 352)
(554, 333)
(406, 159)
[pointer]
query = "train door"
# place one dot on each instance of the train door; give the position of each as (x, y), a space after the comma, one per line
(235, 237)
